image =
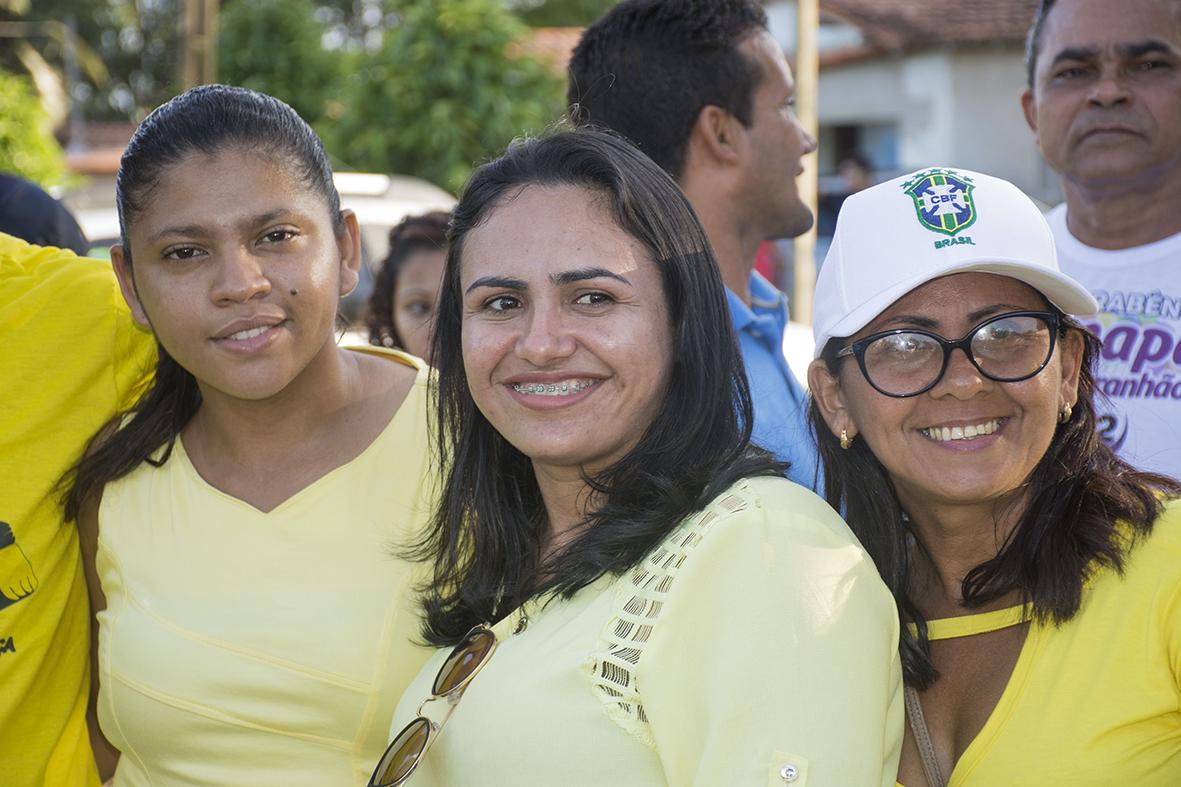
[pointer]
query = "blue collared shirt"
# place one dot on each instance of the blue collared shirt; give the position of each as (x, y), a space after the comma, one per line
(780, 402)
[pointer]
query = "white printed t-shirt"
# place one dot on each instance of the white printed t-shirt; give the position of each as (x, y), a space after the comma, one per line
(1139, 321)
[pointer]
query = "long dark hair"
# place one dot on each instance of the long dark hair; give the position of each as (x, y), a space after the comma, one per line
(208, 120)
(486, 534)
(412, 234)
(1078, 492)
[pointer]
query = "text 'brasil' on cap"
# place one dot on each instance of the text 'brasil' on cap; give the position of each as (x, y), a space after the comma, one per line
(897, 235)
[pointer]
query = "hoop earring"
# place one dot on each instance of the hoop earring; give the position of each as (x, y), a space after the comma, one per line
(1064, 416)
(845, 441)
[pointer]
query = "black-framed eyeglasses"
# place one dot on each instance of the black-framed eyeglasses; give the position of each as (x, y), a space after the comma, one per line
(1006, 348)
(409, 746)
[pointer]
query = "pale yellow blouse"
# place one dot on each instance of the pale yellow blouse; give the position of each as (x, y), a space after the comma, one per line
(250, 649)
(755, 646)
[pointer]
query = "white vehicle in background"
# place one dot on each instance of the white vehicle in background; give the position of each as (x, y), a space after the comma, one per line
(380, 202)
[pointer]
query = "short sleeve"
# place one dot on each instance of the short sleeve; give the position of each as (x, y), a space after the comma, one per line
(774, 660)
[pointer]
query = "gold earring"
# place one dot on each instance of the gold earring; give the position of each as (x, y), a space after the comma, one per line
(845, 441)
(1064, 416)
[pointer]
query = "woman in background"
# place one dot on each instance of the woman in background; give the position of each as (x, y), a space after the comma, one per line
(406, 291)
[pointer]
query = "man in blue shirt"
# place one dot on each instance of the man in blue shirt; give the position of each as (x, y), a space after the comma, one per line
(704, 90)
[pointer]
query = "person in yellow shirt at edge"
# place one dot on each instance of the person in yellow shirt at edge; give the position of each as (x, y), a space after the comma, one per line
(1038, 575)
(71, 358)
(241, 522)
(638, 596)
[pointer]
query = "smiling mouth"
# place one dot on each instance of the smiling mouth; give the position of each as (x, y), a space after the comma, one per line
(249, 333)
(944, 434)
(562, 388)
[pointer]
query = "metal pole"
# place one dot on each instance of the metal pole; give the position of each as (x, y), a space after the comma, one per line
(70, 51)
(199, 66)
(210, 30)
(807, 74)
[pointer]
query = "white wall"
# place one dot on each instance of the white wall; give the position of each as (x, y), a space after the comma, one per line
(959, 108)
(860, 93)
(991, 133)
(928, 121)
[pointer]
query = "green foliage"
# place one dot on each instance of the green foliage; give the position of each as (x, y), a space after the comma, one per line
(274, 46)
(27, 145)
(450, 87)
(138, 42)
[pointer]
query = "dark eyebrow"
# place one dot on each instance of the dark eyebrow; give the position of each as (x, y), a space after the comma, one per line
(194, 230)
(1075, 53)
(978, 316)
(1141, 48)
(503, 282)
(269, 216)
(910, 321)
(188, 230)
(582, 274)
(997, 308)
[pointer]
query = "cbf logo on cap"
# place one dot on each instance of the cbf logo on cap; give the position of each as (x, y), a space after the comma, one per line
(944, 204)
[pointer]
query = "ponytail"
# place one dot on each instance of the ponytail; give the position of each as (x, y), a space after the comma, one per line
(155, 421)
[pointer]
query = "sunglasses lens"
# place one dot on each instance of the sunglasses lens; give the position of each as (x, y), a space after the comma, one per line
(464, 661)
(402, 755)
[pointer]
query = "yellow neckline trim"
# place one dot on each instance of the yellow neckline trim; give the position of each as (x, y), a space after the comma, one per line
(401, 356)
(981, 623)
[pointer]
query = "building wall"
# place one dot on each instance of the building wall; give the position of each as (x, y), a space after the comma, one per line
(860, 94)
(948, 107)
(928, 123)
(991, 133)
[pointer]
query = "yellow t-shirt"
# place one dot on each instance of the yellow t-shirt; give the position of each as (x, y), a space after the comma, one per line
(756, 645)
(1097, 701)
(247, 648)
(70, 356)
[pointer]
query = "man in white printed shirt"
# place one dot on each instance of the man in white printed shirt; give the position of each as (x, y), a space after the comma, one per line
(1104, 102)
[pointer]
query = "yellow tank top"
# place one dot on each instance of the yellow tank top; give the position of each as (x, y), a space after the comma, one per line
(248, 648)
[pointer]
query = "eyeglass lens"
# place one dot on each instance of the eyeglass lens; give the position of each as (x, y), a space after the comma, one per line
(1005, 349)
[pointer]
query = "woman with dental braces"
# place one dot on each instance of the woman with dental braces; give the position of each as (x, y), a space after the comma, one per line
(630, 593)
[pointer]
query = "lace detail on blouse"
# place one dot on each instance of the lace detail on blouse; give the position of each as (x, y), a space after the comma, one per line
(640, 599)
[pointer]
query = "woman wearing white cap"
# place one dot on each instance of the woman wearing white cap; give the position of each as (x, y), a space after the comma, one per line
(1039, 575)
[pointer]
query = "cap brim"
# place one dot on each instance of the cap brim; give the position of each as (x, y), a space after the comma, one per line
(1059, 289)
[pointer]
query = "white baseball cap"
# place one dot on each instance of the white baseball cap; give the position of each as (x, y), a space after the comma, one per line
(897, 235)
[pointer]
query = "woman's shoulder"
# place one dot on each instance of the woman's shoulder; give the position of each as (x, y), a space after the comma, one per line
(1157, 555)
(1169, 522)
(781, 508)
(397, 377)
(760, 530)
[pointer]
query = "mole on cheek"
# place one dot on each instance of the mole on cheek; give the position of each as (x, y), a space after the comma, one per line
(294, 291)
